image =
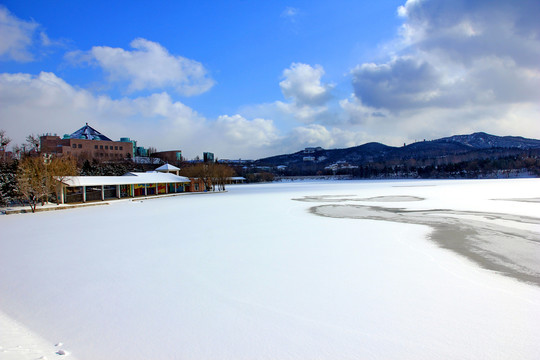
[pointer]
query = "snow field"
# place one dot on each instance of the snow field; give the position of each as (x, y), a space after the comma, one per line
(252, 274)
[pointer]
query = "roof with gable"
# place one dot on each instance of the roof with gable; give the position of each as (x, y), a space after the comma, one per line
(88, 133)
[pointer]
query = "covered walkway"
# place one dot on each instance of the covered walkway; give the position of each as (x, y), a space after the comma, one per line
(81, 189)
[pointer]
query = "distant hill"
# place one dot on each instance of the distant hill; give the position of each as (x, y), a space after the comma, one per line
(446, 150)
(481, 140)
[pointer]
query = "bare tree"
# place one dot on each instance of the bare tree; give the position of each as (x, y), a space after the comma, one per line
(19, 151)
(221, 175)
(4, 142)
(31, 180)
(37, 177)
(215, 176)
(199, 171)
(57, 170)
(33, 142)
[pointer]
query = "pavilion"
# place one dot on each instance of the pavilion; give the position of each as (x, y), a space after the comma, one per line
(75, 189)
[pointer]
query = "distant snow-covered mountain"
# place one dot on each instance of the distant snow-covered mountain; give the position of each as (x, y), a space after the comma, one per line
(481, 140)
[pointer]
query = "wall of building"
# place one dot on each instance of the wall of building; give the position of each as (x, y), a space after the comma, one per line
(99, 149)
(172, 156)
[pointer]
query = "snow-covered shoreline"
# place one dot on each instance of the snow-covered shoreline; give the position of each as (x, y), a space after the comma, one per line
(254, 274)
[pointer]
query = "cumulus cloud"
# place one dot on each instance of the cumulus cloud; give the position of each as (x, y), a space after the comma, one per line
(48, 104)
(401, 83)
(238, 130)
(149, 66)
(302, 84)
(457, 61)
(312, 135)
(320, 135)
(16, 37)
(306, 94)
(307, 97)
(238, 134)
(356, 113)
(465, 31)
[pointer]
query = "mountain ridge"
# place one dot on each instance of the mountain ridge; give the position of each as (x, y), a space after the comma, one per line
(476, 145)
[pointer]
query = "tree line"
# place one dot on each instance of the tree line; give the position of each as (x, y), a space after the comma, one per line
(214, 175)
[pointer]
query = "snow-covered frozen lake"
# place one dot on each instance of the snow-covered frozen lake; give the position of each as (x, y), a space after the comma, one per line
(302, 270)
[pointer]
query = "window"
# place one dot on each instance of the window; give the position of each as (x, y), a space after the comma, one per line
(101, 147)
(95, 146)
(80, 146)
(116, 148)
(121, 148)
(74, 146)
(106, 147)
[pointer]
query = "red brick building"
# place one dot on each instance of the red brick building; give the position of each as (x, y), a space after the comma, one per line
(171, 156)
(86, 143)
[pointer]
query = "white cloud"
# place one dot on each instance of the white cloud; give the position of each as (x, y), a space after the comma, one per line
(456, 63)
(290, 13)
(456, 68)
(308, 98)
(238, 130)
(302, 113)
(320, 135)
(401, 83)
(16, 37)
(47, 104)
(464, 32)
(302, 84)
(356, 113)
(148, 67)
(409, 125)
(238, 135)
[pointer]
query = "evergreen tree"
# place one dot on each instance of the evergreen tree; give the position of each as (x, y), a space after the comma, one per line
(8, 182)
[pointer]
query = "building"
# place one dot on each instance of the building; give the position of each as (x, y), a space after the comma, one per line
(208, 157)
(80, 189)
(312, 150)
(171, 156)
(236, 180)
(88, 143)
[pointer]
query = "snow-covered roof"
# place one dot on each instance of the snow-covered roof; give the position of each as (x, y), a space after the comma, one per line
(167, 167)
(127, 179)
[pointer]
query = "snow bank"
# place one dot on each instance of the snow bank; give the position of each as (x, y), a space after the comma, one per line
(253, 274)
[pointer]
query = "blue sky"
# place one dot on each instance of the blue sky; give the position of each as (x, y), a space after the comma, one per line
(247, 79)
